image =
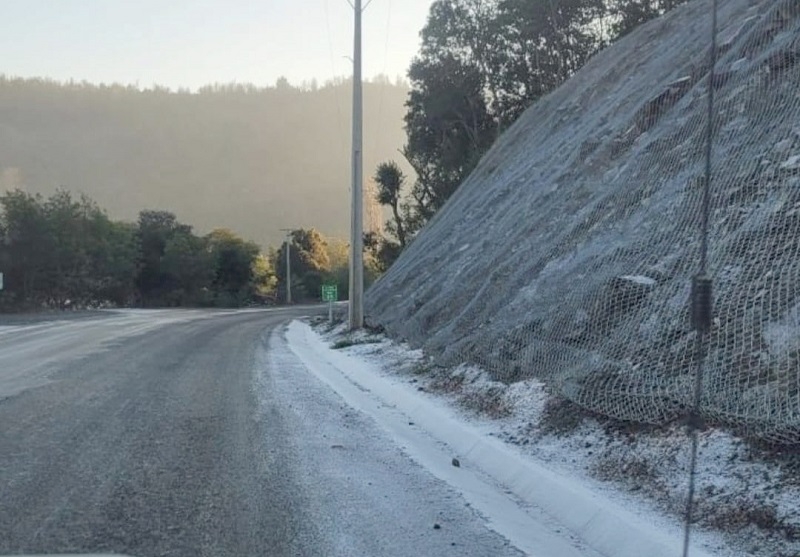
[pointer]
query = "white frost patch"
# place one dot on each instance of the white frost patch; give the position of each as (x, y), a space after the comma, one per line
(782, 336)
(639, 279)
(527, 398)
(792, 163)
(730, 482)
(541, 511)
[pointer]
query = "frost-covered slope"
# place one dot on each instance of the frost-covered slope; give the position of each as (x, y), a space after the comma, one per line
(569, 252)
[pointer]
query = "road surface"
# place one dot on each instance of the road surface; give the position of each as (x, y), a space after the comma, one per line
(177, 433)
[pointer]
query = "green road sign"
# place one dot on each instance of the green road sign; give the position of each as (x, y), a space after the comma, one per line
(329, 293)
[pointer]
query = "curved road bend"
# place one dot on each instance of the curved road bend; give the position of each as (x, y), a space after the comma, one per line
(176, 433)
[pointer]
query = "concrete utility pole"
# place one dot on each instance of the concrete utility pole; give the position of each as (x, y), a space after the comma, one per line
(356, 306)
(288, 264)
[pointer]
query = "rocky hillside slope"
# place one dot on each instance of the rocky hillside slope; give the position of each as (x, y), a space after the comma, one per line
(568, 253)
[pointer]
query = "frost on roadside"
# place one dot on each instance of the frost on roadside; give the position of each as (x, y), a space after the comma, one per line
(749, 494)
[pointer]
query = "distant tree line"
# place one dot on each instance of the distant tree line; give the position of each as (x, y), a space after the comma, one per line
(64, 251)
(481, 64)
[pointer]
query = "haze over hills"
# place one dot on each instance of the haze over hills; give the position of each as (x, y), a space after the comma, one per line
(255, 160)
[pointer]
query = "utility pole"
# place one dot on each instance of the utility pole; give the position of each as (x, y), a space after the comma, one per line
(288, 264)
(356, 305)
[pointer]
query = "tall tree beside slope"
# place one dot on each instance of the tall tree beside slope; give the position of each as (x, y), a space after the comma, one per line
(629, 14)
(548, 41)
(481, 64)
(448, 128)
(448, 123)
(389, 179)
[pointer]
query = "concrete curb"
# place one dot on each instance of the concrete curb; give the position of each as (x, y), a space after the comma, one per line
(602, 525)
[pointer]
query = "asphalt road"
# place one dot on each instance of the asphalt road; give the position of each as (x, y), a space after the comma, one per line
(183, 433)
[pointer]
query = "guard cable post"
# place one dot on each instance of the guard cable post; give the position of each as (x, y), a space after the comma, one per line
(702, 293)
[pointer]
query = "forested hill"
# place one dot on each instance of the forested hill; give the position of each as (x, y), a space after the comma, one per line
(256, 160)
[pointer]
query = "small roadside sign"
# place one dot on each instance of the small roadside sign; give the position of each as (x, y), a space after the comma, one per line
(330, 293)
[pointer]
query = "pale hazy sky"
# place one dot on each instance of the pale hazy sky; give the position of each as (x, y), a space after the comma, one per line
(194, 42)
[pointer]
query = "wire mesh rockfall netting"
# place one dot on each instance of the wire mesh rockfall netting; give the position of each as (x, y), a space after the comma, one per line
(568, 255)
